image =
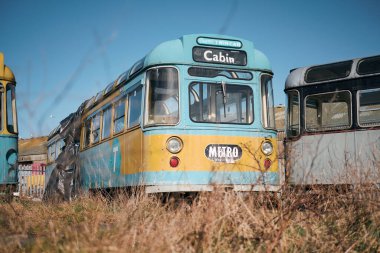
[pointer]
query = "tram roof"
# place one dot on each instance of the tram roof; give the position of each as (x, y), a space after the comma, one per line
(336, 71)
(179, 51)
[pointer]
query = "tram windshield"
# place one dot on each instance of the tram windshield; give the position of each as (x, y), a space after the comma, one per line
(11, 109)
(221, 103)
(162, 97)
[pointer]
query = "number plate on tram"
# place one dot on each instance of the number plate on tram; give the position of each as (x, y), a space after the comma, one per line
(223, 153)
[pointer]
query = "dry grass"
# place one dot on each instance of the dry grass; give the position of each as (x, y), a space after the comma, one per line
(325, 221)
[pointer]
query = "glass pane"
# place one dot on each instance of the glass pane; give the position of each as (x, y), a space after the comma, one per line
(108, 88)
(208, 104)
(118, 122)
(11, 109)
(106, 132)
(163, 96)
(134, 109)
(293, 127)
(98, 96)
(208, 72)
(328, 72)
(122, 78)
(369, 110)
(330, 111)
(87, 133)
(369, 66)
(268, 101)
(96, 128)
(137, 66)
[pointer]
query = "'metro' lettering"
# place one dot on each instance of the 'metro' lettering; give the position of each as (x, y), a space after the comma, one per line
(223, 153)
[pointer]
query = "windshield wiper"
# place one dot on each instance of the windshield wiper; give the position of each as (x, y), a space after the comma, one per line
(224, 96)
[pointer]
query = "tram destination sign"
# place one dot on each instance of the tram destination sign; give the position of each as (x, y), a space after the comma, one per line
(219, 56)
(219, 42)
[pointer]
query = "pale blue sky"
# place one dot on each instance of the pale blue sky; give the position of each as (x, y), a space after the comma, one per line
(63, 52)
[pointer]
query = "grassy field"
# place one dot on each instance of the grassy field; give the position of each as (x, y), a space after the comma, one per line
(324, 221)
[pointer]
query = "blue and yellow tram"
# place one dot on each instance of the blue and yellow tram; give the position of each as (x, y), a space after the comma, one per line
(194, 114)
(8, 129)
(333, 123)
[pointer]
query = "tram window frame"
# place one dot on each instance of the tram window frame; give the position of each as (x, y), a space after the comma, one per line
(368, 66)
(87, 132)
(211, 107)
(150, 110)
(359, 108)
(11, 108)
(109, 120)
(108, 88)
(95, 139)
(116, 118)
(132, 107)
(268, 113)
(290, 130)
(327, 72)
(214, 72)
(51, 152)
(320, 117)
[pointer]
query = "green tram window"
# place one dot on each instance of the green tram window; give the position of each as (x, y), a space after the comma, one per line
(162, 97)
(293, 120)
(369, 107)
(328, 111)
(11, 109)
(211, 103)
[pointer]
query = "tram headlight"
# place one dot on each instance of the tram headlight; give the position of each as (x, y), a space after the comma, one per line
(174, 145)
(267, 148)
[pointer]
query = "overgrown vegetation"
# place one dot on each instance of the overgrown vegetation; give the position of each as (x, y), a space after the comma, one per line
(327, 220)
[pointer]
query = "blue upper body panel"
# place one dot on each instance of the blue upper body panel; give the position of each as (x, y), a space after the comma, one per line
(179, 51)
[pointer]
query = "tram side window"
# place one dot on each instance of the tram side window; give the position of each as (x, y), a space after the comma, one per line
(268, 102)
(162, 97)
(87, 133)
(328, 111)
(107, 113)
(52, 152)
(11, 109)
(293, 120)
(369, 107)
(119, 117)
(134, 107)
(96, 128)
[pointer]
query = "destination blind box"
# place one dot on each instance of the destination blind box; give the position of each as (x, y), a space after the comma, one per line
(219, 56)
